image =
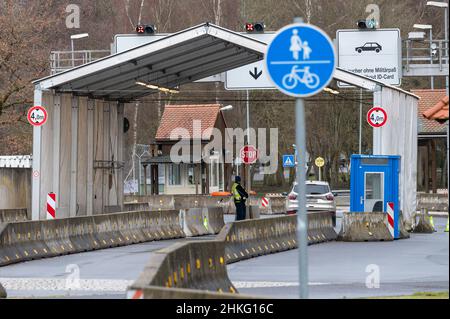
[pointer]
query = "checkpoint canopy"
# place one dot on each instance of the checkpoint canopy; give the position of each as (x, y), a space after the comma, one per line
(78, 153)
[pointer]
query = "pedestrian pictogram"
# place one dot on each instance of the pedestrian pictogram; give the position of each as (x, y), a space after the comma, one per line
(301, 60)
(249, 154)
(377, 117)
(37, 116)
(288, 161)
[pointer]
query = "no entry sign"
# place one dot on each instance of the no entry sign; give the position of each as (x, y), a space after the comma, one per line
(249, 154)
(377, 117)
(37, 116)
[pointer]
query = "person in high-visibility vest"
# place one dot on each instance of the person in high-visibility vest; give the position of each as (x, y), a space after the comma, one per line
(239, 196)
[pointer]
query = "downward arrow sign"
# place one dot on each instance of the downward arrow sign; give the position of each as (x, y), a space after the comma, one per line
(255, 74)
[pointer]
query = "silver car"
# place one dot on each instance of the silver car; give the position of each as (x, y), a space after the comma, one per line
(318, 198)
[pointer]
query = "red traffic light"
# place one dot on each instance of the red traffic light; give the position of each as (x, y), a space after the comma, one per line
(255, 27)
(249, 27)
(146, 29)
(140, 29)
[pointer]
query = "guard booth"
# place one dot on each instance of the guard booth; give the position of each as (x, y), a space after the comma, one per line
(374, 185)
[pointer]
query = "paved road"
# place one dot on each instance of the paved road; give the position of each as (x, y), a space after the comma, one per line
(336, 270)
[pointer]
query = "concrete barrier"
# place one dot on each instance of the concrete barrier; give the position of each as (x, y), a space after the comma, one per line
(403, 230)
(320, 227)
(423, 225)
(193, 222)
(13, 215)
(3, 293)
(251, 238)
(154, 292)
(432, 202)
(30, 240)
(198, 265)
(277, 204)
(365, 227)
(214, 219)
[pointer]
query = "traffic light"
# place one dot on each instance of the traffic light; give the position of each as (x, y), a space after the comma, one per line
(367, 24)
(255, 27)
(148, 29)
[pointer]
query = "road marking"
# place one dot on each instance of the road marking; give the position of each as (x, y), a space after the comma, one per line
(271, 284)
(50, 284)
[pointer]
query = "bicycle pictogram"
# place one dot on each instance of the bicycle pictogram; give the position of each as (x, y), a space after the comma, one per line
(309, 79)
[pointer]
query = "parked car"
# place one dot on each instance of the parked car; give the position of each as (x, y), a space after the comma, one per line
(318, 198)
(369, 46)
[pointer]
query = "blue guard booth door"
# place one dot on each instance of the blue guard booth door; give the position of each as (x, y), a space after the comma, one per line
(374, 182)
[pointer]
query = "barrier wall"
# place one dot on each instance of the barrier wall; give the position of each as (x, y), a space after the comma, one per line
(432, 202)
(365, 227)
(30, 240)
(320, 227)
(13, 215)
(196, 265)
(2, 292)
(154, 292)
(277, 204)
(251, 238)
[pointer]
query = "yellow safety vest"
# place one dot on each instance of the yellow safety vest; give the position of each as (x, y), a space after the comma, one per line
(234, 191)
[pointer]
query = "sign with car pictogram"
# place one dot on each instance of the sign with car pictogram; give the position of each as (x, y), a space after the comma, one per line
(377, 117)
(37, 116)
(375, 54)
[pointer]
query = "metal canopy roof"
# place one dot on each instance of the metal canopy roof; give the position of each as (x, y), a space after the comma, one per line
(181, 58)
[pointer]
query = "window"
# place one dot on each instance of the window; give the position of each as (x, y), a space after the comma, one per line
(313, 189)
(174, 174)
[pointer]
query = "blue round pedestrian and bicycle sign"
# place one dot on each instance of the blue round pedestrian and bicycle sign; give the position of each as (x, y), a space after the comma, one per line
(301, 60)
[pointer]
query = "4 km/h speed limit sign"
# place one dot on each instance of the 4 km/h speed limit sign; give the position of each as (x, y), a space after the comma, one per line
(377, 117)
(37, 116)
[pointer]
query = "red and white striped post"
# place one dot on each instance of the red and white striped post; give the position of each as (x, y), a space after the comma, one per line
(264, 202)
(51, 206)
(390, 213)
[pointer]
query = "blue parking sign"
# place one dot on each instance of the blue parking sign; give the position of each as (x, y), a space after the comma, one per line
(288, 161)
(300, 60)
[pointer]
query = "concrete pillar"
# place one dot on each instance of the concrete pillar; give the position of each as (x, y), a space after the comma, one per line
(48, 163)
(36, 178)
(98, 155)
(74, 157)
(120, 153)
(56, 146)
(107, 177)
(90, 158)
(82, 163)
(63, 198)
(113, 155)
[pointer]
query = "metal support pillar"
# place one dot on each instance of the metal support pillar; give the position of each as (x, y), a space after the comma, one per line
(90, 159)
(74, 158)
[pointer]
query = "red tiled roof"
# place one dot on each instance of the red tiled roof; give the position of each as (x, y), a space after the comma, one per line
(439, 112)
(183, 116)
(428, 99)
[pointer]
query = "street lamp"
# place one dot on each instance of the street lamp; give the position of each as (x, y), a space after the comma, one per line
(226, 108)
(76, 37)
(428, 27)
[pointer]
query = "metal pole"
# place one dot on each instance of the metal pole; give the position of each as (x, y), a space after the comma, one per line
(431, 57)
(446, 87)
(320, 174)
(73, 55)
(302, 218)
(249, 182)
(360, 121)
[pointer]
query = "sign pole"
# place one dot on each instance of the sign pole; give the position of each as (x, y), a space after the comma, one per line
(302, 218)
